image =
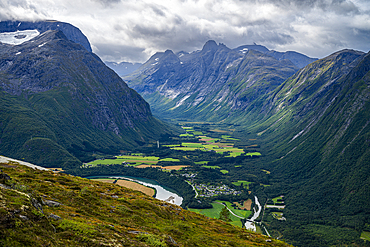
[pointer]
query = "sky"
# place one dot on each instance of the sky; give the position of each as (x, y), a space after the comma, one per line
(133, 30)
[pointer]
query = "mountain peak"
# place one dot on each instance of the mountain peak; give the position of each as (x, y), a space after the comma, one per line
(210, 45)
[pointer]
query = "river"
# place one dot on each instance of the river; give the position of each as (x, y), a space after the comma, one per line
(163, 194)
(250, 224)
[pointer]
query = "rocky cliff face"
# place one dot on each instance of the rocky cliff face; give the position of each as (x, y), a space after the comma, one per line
(218, 80)
(72, 102)
(73, 33)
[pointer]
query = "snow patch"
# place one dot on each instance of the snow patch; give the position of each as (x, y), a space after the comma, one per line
(245, 50)
(42, 44)
(154, 63)
(18, 53)
(180, 102)
(18, 37)
(157, 59)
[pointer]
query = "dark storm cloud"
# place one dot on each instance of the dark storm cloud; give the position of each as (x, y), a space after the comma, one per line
(132, 30)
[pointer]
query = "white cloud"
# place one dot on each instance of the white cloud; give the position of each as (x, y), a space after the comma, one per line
(132, 30)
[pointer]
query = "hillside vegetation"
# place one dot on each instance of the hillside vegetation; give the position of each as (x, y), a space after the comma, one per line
(42, 208)
(60, 104)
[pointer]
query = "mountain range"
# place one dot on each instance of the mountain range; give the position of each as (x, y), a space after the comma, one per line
(60, 104)
(213, 83)
(312, 122)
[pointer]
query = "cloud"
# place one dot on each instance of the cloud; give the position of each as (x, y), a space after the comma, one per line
(132, 30)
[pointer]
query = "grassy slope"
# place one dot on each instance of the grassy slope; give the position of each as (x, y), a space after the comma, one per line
(101, 214)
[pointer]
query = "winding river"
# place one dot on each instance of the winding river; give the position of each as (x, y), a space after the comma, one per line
(250, 224)
(163, 194)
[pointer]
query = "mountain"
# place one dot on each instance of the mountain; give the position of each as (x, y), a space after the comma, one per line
(317, 133)
(42, 208)
(212, 84)
(60, 104)
(298, 59)
(312, 124)
(123, 68)
(71, 32)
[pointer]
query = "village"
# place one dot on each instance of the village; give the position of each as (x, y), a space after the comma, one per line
(213, 190)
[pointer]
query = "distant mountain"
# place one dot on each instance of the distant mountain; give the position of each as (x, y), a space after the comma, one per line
(123, 68)
(212, 84)
(60, 104)
(317, 132)
(73, 33)
(298, 59)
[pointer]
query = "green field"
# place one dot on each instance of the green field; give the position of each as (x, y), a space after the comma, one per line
(170, 159)
(197, 133)
(253, 154)
(239, 212)
(365, 235)
(186, 148)
(201, 162)
(192, 144)
(245, 183)
(186, 135)
(126, 158)
(276, 198)
(212, 167)
(215, 213)
(224, 171)
(227, 137)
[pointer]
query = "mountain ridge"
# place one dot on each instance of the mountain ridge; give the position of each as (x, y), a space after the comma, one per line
(60, 87)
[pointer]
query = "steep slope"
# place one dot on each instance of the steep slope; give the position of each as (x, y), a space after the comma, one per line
(60, 103)
(212, 84)
(318, 136)
(41, 208)
(72, 33)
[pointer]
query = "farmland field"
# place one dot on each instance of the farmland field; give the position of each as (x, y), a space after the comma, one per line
(245, 183)
(136, 186)
(365, 235)
(212, 167)
(128, 184)
(214, 212)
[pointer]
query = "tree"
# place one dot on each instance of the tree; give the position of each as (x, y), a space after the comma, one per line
(225, 215)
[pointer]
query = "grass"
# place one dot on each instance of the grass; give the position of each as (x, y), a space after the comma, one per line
(253, 154)
(365, 235)
(192, 144)
(214, 213)
(186, 135)
(240, 182)
(276, 198)
(224, 171)
(201, 162)
(241, 213)
(170, 159)
(227, 137)
(94, 213)
(136, 159)
(212, 167)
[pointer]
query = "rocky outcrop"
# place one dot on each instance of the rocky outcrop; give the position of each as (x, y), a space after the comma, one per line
(71, 32)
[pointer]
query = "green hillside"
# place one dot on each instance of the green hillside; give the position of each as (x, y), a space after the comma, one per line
(42, 208)
(60, 104)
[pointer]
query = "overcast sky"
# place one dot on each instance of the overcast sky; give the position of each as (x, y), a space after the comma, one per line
(132, 30)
